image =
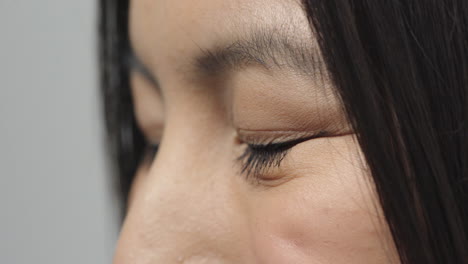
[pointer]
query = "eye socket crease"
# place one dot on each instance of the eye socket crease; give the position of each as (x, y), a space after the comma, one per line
(262, 137)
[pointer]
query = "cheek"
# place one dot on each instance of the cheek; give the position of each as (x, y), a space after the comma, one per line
(327, 215)
(323, 229)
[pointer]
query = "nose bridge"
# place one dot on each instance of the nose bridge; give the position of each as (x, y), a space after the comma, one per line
(185, 211)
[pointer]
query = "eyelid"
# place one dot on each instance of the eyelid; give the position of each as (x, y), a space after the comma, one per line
(265, 137)
(258, 158)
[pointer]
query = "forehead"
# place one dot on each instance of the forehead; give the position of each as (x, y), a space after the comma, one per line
(166, 32)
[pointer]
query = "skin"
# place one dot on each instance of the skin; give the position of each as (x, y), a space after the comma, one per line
(191, 203)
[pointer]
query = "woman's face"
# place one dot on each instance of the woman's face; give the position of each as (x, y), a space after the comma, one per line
(256, 163)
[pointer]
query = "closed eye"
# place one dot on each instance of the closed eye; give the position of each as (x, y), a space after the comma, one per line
(258, 158)
(151, 152)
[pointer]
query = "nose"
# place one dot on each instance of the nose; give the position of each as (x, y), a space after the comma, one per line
(185, 209)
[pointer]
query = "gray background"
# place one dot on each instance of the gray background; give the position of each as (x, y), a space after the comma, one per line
(55, 196)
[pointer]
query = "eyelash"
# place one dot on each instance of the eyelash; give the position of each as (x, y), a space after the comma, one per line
(151, 151)
(258, 158)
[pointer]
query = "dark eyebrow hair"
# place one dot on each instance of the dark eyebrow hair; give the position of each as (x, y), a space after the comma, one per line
(266, 48)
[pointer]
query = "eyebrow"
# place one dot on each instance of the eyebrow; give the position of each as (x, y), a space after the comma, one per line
(270, 49)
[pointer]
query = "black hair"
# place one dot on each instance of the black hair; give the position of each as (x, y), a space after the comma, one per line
(401, 71)
(125, 140)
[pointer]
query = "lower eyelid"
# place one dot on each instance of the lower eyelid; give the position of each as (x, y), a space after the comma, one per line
(270, 177)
